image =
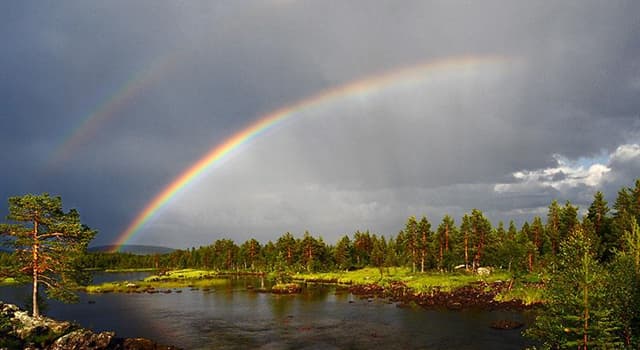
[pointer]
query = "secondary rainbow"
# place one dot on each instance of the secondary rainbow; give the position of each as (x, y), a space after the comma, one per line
(361, 87)
(109, 109)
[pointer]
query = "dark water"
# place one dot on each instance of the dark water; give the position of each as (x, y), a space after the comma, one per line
(322, 317)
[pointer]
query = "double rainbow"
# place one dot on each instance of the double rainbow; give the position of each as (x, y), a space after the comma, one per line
(365, 86)
(109, 108)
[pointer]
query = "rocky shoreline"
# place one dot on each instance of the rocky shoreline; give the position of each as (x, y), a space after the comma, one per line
(18, 330)
(478, 295)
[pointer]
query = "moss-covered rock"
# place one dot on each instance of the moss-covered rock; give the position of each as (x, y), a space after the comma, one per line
(286, 288)
(18, 330)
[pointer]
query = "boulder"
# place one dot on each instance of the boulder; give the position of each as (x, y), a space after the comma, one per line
(83, 339)
(483, 271)
(18, 330)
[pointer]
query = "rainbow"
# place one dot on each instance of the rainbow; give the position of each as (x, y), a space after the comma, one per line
(358, 88)
(110, 107)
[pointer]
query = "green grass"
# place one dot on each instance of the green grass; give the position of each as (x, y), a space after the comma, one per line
(425, 282)
(8, 281)
(139, 269)
(287, 288)
(529, 294)
(173, 279)
(184, 274)
(419, 282)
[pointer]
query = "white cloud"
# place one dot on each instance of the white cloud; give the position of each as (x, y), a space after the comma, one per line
(626, 153)
(565, 175)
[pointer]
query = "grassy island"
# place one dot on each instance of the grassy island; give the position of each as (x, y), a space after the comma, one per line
(500, 287)
(186, 278)
(8, 281)
(527, 289)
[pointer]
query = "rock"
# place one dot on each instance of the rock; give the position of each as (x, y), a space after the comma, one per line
(143, 344)
(506, 324)
(288, 288)
(483, 271)
(18, 330)
(454, 306)
(83, 339)
(26, 326)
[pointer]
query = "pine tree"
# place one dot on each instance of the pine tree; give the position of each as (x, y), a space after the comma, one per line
(513, 231)
(627, 208)
(553, 227)
(568, 219)
(312, 251)
(465, 233)
(342, 253)
(49, 244)
(598, 215)
(624, 287)
(287, 249)
(423, 241)
(446, 231)
(250, 251)
(577, 313)
(362, 246)
(537, 234)
(481, 236)
(378, 253)
(411, 241)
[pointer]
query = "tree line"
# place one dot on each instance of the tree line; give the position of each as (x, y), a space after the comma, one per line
(420, 245)
(592, 263)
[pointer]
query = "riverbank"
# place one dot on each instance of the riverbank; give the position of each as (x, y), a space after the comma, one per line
(18, 330)
(166, 282)
(497, 290)
(436, 290)
(8, 281)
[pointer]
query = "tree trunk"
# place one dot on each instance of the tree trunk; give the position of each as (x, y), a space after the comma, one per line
(440, 256)
(36, 247)
(586, 304)
(466, 252)
(413, 260)
(446, 238)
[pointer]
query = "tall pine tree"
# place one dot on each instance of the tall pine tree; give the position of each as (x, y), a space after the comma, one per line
(49, 244)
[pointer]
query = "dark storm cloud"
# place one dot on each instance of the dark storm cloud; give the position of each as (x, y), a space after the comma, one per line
(356, 163)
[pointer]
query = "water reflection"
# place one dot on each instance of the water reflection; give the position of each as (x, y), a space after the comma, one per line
(234, 317)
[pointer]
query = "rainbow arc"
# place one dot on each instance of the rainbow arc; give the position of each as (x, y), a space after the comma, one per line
(357, 88)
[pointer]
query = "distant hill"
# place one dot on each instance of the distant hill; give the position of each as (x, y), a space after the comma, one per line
(133, 249)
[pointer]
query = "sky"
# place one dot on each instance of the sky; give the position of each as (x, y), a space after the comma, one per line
(497, 105)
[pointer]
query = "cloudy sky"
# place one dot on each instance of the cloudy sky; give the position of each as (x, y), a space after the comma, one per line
(500, 106)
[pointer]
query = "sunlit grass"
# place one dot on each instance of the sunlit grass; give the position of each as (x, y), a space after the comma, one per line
(184, 274)
(286, 288)
(419, 282)
(8, 281)
(145, 269)
(528, 294)
(173, 279)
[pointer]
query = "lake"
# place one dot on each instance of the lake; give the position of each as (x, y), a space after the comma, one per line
(234, 317)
